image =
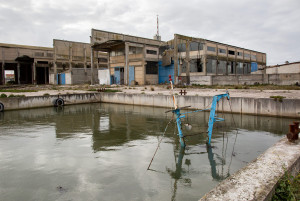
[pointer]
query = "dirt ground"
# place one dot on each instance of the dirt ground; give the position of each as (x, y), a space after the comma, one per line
(31, 90)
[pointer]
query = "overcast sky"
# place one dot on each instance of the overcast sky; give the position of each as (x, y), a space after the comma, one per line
(270, 26)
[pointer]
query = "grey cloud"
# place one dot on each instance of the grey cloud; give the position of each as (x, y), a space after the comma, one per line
(270, 26)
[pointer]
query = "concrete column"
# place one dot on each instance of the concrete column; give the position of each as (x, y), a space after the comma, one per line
(204, 58)
(85, 62)
(108, 66)
(188, 60)
(126, 70)
(217, 64)
(3, 67)
(92, 67)
(19, 74)
(70, 58)
(2, 72)
(33, 73)
(227, 73)
(235, 56)
(175, 59)
(144, 64)
(97, 60)
(55, 66)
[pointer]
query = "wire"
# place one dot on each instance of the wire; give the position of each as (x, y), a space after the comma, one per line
(159, 143)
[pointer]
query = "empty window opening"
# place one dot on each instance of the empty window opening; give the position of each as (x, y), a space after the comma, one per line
(151, 52)
(231, 52)
(211, 49)
(152, 67)
(223, 51)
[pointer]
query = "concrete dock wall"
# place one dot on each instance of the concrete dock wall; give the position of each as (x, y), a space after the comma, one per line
(257, 181)
(46, 101)
(254, 106)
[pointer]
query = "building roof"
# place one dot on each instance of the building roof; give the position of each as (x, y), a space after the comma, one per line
(6, 45)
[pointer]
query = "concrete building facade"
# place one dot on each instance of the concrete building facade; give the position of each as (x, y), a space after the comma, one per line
(72, 63)
(22, 64)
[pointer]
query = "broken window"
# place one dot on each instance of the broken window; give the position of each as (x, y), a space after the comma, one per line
(151, 52)
(231, 52)
(39, 54)
(253, 57)
(196, 65)
(231, 67)
(247, 55)
(239, 68)
(223, 51)
(211, 49)
(135, 50)
(195, 46)
(240, 54)
(181, 47)
(211, 66)
(221, 67)
(152, 67)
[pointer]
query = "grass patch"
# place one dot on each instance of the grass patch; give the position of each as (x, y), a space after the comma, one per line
(46, 94)
(288, 188)
(3, 96)
(12, 96)
(279, 98)
(17, 90)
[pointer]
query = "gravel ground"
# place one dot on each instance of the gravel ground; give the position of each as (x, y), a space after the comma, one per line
(161, 90)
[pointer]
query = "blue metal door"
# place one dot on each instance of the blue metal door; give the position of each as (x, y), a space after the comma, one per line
(63, 78)
(117, 75)
(131, 74)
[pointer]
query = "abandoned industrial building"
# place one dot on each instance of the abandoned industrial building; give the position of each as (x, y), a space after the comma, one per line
(115, 58)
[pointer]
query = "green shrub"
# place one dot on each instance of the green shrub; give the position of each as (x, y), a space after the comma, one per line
(3, 96)
(288, 188)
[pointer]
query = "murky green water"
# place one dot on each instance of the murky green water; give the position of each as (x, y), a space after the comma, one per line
(102, 151)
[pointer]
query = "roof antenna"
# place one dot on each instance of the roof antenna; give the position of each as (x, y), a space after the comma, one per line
(157, 36)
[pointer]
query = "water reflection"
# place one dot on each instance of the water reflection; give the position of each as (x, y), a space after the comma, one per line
(101, 149)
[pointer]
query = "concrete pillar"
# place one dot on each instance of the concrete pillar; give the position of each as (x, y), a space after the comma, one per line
(175, 59)
(235, 56)
(92, 67)
(70, 58)
(108, 66)
(19, 74)
(33, 73)
(85, 62)
(144, 64)
(204, 58)
(126, 70)
(55, 67)
(217, 64)
(2, 72)
(97, 60)
(188, 60)
(227, 73)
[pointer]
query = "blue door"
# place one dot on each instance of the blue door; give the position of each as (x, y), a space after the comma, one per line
(117, 75)
(61, 78)
(131, 74)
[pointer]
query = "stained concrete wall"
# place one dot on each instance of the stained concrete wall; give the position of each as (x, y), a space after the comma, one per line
(277, 79)
(46, 101)
(257, 181)
(254, 106)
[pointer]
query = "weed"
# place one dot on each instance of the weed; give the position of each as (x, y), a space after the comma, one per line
(143, 93)
(3, 96)
(17, 90)
(176, 94)
(288, 188)
(279, 98)
(152, 89)
(46, 94)
(12, 95)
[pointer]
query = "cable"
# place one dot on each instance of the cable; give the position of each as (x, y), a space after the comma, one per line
(159, 143)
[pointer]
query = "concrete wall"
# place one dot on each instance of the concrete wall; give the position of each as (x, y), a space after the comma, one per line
(256, 106)
(104, 76)
(46, 101)
(277, 79)
(257, 181)
(284, 69)
(80, 76)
